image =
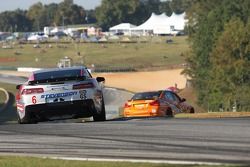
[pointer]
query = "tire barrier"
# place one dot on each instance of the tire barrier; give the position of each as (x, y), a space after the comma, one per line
(6, 102)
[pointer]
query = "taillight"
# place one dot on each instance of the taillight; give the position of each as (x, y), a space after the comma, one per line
(32, 91)
(154, 103)
(18, 97)
(83, 86)
(127, 105)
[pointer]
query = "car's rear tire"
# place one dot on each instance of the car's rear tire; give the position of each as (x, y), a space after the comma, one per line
(100, 115)
(27, 119)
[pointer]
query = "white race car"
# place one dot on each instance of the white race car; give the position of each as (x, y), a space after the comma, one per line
(59, 92)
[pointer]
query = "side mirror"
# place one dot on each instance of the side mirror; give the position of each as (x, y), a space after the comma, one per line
(183, 99)
(18, 87)
(100, 79)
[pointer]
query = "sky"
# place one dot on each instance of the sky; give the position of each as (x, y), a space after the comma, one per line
(25, 4)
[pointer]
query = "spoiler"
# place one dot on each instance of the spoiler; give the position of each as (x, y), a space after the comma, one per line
(55, 80)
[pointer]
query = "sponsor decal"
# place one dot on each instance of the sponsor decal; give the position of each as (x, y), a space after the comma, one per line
(58, 95)
(83, 94)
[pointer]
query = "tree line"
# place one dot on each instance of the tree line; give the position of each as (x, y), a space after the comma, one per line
(39, 16)
(108, 14)
(219, 60)
(136, 12)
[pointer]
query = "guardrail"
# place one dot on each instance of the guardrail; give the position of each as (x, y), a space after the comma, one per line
(27, 69)
(8, 68)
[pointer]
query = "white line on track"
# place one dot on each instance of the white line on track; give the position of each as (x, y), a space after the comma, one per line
(136, 161)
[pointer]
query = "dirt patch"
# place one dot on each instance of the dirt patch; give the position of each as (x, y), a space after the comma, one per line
(145, 81)
(191, 96)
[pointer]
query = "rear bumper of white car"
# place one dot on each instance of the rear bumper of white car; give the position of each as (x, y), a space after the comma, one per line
(79, 108)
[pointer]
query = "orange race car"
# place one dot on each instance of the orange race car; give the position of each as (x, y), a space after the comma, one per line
(156, 103)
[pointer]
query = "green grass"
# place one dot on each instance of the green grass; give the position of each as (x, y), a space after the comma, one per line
(2, 98)
(8, 87)
(9, 114)
(154, 53)
(8, 161)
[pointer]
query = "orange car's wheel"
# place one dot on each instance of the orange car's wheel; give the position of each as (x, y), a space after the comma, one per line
(169, 112)
(191, 110)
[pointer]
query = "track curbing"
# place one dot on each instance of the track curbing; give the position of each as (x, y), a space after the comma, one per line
(6, 101)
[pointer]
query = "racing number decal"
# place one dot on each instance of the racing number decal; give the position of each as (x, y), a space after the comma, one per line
(83, 94)
(34, 99)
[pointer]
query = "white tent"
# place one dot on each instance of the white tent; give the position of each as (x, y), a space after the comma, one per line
(161, 24)
(178, 21)
(123, 27)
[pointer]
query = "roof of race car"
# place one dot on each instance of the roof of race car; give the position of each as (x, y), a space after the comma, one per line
(59, 69)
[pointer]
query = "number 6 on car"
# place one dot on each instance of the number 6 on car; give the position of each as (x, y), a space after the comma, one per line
(34, 99)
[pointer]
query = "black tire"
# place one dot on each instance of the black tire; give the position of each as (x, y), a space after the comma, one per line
(169, 112)
(101, 115)
(191, 110)
(27, 119)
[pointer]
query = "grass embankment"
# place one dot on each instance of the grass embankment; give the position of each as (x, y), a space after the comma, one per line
(2, 98)
(41, 162)
(9, 114)
(9, 88)
(191, 97)
(214, 115)
(154, 53)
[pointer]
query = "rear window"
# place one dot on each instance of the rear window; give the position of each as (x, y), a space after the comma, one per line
(146, 95)
(60, 74)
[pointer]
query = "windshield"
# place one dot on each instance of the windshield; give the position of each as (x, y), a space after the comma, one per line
(75, 73)
(146, 95)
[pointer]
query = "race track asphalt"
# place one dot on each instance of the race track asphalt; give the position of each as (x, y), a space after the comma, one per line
(224, 140)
